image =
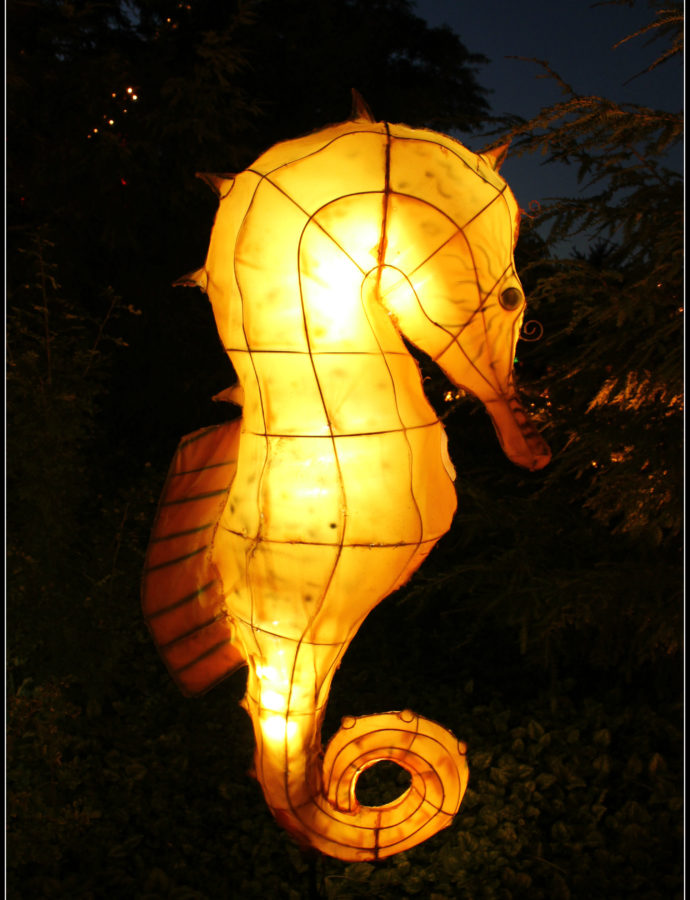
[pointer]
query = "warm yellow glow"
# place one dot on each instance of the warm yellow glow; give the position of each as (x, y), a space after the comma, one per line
(273, 700)
(268, 672)
(277, 728)
(278, 532)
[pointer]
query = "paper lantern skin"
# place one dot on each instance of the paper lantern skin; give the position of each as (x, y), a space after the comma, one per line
(279, 532)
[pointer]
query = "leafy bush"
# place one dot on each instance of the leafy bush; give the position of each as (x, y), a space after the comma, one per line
(143, 794)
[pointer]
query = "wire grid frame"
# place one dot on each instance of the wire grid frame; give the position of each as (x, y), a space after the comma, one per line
(191, 594)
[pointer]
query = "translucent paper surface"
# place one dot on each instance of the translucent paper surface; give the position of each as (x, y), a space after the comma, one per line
(278, 533)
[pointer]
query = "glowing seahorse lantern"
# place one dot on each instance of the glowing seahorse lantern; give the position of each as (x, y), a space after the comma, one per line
(279, 532)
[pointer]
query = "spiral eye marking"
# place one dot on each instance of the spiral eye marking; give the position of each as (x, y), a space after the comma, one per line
(510, 299)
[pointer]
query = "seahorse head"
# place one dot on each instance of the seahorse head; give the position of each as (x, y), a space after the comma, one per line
(368, 209)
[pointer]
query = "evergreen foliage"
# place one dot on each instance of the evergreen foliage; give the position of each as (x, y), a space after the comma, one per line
(590, 559)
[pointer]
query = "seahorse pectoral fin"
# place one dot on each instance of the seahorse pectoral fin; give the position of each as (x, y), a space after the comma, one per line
(182, 592)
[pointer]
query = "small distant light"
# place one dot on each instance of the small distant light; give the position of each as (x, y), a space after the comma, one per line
(129, 90)
(113, 95)
(111, 121)
(95, 131)
(123, 181)
(134, 97)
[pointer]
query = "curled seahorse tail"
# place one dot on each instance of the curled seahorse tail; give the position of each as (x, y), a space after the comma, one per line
(335, 823)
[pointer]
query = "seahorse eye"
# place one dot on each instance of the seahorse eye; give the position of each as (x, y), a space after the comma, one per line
(511, 298)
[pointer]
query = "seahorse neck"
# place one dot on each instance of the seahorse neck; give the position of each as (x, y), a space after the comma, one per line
(336, 393)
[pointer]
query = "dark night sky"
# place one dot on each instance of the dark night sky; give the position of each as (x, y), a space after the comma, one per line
(576, 38)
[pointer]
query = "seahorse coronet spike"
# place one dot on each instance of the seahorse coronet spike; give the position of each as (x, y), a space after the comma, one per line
(198, 278)
(220, 184)
(360, 108)
(279, 531)
(496, 156)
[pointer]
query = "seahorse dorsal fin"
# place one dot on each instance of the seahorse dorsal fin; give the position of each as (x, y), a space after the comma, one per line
(183, 594)
(496, 156)
(360, 108)
(220, 183)
(199, 279)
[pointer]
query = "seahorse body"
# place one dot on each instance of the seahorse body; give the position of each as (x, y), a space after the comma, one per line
(278, 533)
